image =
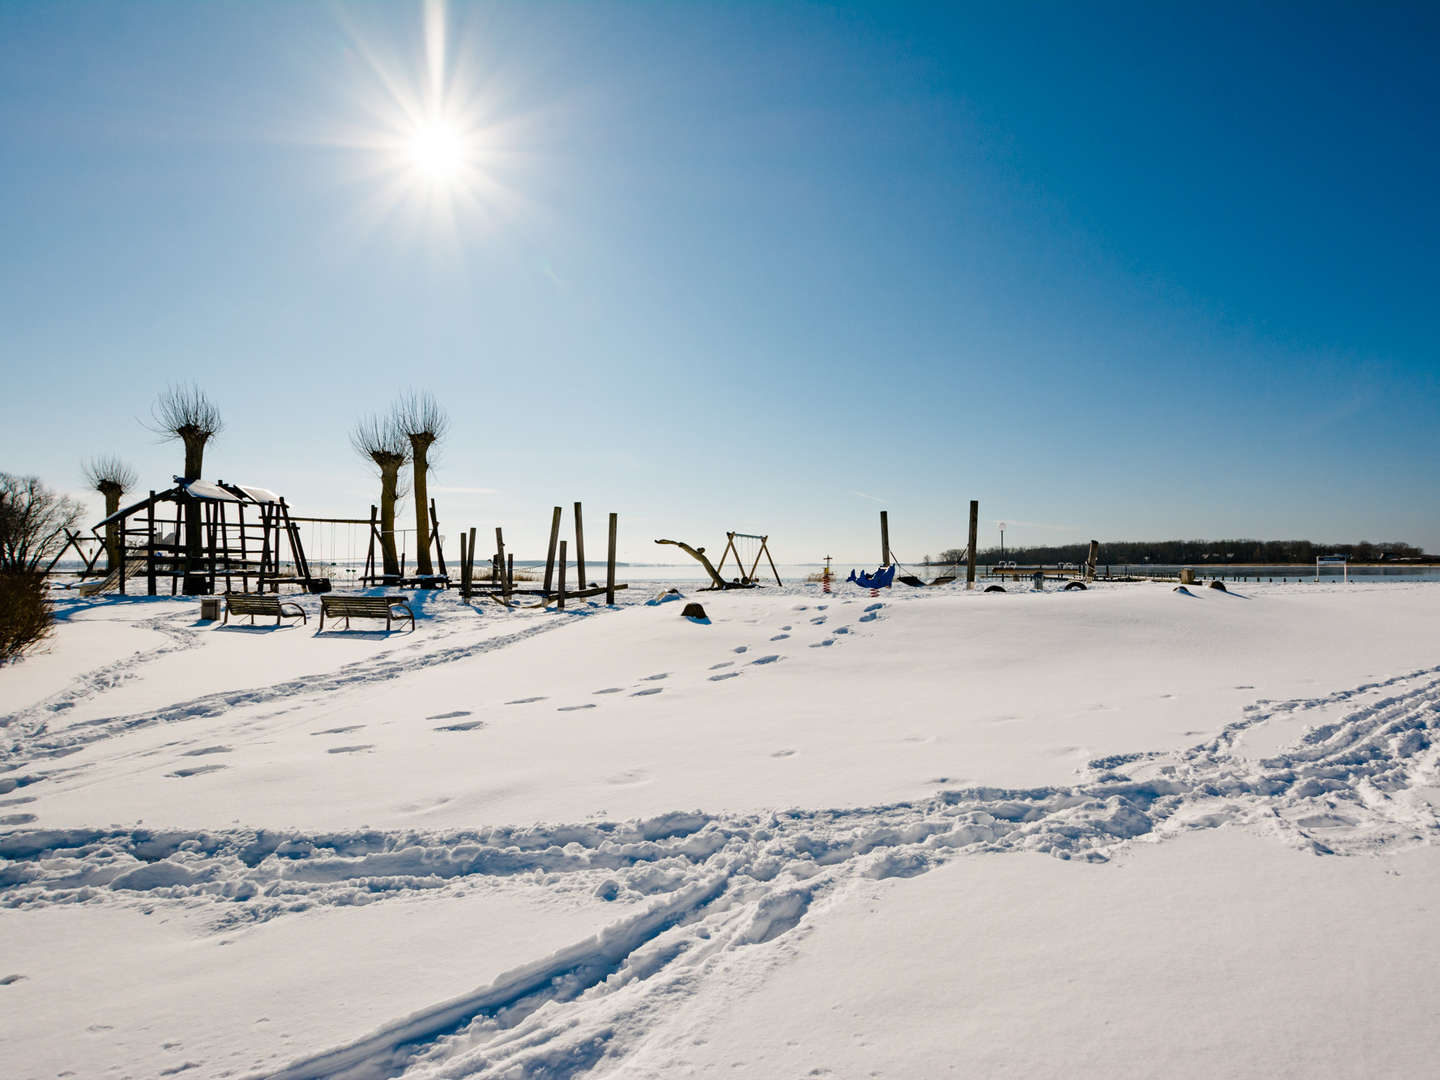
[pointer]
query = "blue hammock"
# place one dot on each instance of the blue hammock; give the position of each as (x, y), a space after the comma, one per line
(881, 579)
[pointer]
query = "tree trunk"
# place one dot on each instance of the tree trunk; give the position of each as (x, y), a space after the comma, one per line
(389, 484)
(419, 450)
(196, 580)
(113, 555)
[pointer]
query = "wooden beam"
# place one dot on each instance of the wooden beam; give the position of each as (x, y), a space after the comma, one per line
(504, 579)
(884, 538)
(765, 544)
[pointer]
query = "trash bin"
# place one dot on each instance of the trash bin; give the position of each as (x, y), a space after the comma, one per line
(1187, 576)
(209, 608)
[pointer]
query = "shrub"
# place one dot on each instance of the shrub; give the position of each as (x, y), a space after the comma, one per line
(24, 612)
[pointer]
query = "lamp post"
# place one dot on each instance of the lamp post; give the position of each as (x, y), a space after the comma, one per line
(1002, 541)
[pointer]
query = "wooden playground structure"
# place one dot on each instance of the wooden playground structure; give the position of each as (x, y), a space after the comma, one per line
(201, 537)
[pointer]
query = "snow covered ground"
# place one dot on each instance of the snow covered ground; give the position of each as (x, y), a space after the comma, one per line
(1125, 831)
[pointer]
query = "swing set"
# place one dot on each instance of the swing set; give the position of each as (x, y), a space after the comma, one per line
(751, 543)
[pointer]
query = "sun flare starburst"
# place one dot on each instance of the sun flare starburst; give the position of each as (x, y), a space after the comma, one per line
(438, 151)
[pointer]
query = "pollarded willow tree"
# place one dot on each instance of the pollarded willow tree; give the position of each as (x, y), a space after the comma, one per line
(185, 414)
(111, 477)
(382, 443)
(423, 422)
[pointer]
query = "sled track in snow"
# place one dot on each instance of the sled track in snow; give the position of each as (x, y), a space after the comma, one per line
(702, 891)
(30, 739)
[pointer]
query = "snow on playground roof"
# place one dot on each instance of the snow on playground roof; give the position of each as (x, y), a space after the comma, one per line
(203, 489)
(200, 489)
(259, 494)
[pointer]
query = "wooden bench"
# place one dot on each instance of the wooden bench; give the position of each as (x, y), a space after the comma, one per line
(252, 605)
(365, 607)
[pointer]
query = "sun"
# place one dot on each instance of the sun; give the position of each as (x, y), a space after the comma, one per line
(437, 151)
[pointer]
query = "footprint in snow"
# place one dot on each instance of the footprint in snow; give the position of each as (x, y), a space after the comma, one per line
(787, 628)
(740, 649)
(207, 750)
(822, 644)
(343, 730)
(629, 776)
(611, 690)
(819, 620)
(766, 659)
(723, 663)
(17, 819)
(841, 630)
(783, 753)
(874, 607)
(344, 749)
(655, 678)
(464, 725)
(449, 715)
(8, 979)
(525, 700)
(870, 617)
(779, 637)
(576, 708)
(198, 770)
(724, 675)
(646, 693)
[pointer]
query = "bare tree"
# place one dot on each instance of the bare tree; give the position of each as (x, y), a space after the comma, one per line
(381, 442)
(33, 523)
(183, 412)
(423, 421)
(111, 477)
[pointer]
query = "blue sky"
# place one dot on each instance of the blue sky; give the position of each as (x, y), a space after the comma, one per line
(1115, 270)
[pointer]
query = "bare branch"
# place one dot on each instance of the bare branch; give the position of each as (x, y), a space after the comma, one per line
(108, 475)
(421, 418)
(33, 522)
(184, 412)
(380, 441)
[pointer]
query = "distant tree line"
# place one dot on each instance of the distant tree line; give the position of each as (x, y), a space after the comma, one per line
(1199, 552)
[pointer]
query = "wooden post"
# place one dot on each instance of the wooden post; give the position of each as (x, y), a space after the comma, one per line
(150, 542)
(610, 563)
(1091, 559)
(579, 550)
(509, 574)
(766, 548)
(499, 579)
(369, 549)
(970, 550)
(560, 602)
(884, 538)
(464, 569)
(550, 554)
(435, 535)
(470, 574)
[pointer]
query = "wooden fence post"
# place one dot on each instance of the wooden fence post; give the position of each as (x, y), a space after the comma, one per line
(610, 563)
(884, 538)
(550, 554)
(560, 601)
(579, 550)
(970, 550)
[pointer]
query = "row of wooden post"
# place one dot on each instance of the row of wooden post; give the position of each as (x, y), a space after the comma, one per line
(502, 566)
